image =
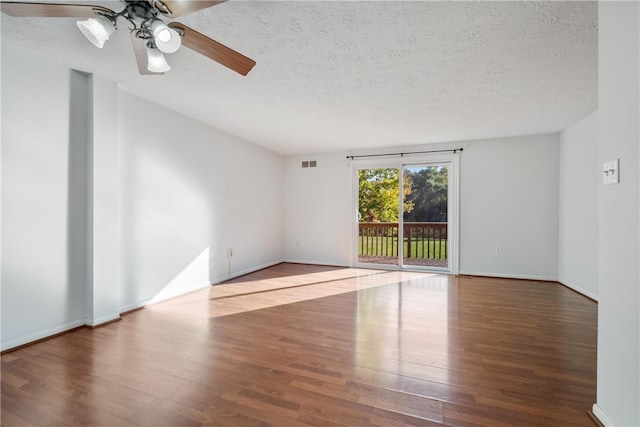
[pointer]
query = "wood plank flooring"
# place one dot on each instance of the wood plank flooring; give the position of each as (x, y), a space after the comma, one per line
(298, 345)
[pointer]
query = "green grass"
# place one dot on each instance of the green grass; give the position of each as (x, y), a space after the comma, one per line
(424, 249)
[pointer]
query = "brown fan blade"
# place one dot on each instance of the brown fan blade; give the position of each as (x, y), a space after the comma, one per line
(52, 10)
(214, 50)
(140, 50)
(182, 7)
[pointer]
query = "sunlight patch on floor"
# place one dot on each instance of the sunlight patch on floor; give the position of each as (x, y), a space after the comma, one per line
(245, 294)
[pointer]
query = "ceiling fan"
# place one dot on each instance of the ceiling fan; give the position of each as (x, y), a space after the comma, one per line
(151, 36)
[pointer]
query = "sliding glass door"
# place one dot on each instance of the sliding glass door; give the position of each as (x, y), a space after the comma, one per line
(425, 219)
(378, 215)
(405, 215)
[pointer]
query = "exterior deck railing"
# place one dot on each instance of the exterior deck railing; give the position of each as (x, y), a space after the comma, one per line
(422, 240)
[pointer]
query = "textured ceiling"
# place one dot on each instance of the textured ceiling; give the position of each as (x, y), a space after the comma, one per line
(341, 75)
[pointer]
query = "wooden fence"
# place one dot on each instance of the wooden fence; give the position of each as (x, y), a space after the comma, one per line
(423, 240)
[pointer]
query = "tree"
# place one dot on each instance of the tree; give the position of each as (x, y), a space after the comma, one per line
(429, 195)
(378, 192)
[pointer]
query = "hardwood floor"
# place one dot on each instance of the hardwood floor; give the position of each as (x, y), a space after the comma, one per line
(299, 345)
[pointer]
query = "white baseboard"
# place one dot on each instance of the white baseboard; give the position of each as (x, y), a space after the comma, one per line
(509, 276)
(312, 262)
(600, 415)
(220, 279)
(134, 306)
(101, 320)
(579, 290)
(167, 296)
(178, 293)
(41, 335)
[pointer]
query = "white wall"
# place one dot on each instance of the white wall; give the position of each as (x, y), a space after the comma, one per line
(188, 194)
(42, 283)
(508, 198)
(578, 209)
(109, 201)
(102, 215)
(317, 210)
(619, 215)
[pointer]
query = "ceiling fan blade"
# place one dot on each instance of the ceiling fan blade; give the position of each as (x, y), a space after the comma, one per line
(182, 7)
(214, 50)
(51, 10)
(140, 51)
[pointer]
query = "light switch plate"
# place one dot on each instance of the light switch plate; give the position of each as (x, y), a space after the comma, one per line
(610, 172)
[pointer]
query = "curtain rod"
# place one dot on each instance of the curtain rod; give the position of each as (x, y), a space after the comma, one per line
(452, 150)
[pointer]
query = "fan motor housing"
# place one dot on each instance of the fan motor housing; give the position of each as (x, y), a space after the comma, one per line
(140, 9)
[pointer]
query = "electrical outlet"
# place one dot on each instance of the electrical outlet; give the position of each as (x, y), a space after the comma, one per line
(498, 250)
(230, 253)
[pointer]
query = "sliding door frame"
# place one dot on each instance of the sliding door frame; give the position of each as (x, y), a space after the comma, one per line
(452, 160)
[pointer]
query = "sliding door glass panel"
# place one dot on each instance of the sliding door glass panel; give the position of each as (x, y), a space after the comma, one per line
(378, 211)
(425, 216)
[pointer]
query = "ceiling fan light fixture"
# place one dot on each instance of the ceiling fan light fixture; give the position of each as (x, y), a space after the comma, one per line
(156, 62)
(146, 29)
(166, 39)
(97, 30)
